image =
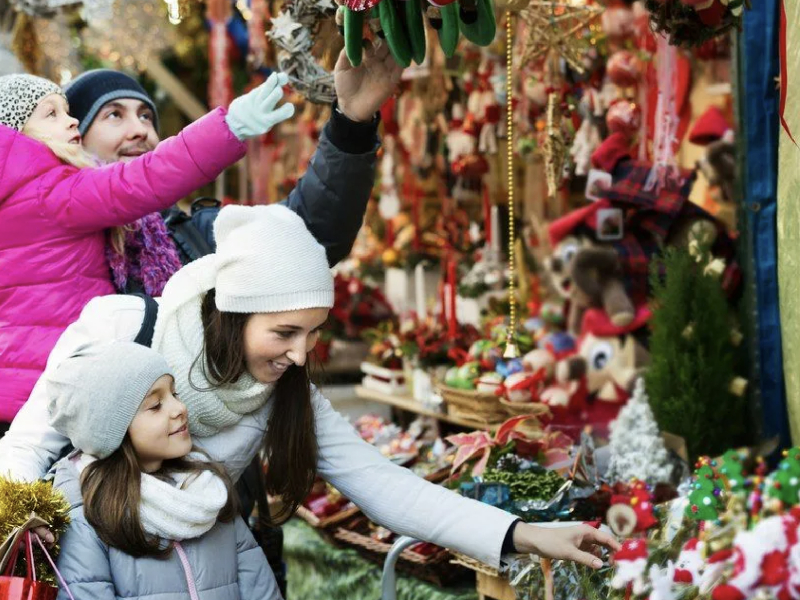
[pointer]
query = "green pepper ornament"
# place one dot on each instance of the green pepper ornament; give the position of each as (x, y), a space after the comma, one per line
(395, 30)
(444, 20)
(478, 23)
(416, 29)
(353, 34)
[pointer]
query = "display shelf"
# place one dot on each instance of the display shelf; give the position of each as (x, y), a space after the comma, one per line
(409, 404)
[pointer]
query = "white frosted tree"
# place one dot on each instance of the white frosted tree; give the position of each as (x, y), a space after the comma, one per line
(637, 449)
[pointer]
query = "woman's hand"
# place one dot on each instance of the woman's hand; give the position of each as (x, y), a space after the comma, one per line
(581, 543)
(46, 536)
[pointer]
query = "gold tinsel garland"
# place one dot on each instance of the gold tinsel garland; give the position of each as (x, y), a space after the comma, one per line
(18, 501)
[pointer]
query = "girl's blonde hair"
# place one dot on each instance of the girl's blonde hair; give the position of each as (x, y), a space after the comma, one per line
(77, 156)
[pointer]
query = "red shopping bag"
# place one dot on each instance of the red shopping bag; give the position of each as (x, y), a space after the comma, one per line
(23, 588)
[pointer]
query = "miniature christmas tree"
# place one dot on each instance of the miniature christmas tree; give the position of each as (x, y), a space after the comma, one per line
(693, 356)
(732, 473)
(637, 449)
(785, 483)
(704, 500)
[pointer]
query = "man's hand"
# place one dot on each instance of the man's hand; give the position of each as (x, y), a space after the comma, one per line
(362, 90)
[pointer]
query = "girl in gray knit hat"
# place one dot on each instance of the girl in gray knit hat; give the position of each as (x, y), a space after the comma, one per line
(138, 490)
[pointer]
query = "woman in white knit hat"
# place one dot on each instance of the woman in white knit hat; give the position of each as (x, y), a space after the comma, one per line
(236, 327)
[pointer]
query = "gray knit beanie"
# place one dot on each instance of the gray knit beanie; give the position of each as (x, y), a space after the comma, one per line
(20, 94)
(95, 393)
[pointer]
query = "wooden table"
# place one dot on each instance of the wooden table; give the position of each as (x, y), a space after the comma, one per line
(409, 404)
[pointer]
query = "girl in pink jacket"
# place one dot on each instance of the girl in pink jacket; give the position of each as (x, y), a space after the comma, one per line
(57, 206)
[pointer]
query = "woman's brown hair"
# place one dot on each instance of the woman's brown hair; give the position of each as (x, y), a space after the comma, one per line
(111, 489)
(290, 447)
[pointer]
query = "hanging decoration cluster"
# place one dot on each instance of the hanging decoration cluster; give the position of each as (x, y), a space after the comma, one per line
(293, 33)
(556, 27)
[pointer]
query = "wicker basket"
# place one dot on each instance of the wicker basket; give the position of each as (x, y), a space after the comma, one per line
(474, 565)
(483, 407)
(515, 409)
(435, 568)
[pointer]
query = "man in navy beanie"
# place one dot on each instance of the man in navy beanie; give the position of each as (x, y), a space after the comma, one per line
(119, 121)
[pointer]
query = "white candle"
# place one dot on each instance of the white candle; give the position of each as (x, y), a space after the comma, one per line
(419, 290)
(496, 232)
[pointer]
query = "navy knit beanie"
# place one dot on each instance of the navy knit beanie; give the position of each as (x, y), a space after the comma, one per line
(92, 90)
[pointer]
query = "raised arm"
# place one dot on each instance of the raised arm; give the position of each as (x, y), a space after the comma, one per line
(92, 199)
(332, 196)
(117, 194)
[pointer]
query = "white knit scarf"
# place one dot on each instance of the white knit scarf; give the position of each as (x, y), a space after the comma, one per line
(183, 509)
(178, 336)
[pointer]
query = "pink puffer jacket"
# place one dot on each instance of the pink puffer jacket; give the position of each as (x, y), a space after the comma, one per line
(53, 219)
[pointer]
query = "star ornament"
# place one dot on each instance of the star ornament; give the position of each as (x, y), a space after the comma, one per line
(283, 26)
(556, 27)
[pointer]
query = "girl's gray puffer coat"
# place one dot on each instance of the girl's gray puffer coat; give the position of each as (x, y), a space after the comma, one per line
(224, 564)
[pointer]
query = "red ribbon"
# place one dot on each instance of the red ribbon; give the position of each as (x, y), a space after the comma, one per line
(784, 72)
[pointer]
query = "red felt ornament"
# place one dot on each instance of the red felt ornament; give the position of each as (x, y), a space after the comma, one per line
(623, 68)
(709, 127)
(624, 117)
(713, 14)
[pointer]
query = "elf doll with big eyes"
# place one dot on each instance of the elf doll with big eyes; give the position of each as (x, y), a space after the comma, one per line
(609, 359)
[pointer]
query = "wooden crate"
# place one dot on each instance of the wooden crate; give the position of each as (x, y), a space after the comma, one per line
(493, 586)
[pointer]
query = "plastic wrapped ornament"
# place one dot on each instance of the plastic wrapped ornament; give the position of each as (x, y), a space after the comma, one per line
(536, 91)
(624, 117)
(623, 68)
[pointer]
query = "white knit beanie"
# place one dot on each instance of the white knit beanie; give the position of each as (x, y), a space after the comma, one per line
(268, 261)
(96, 392)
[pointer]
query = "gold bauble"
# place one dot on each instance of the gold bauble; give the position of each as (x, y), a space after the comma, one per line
(390, 257)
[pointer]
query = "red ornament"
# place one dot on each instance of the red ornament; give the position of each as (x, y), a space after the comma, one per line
(698, 5)
(624, 117)
(623, 68)
(713, 15)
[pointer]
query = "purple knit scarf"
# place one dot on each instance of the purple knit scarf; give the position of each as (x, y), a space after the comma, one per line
(150, 256)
